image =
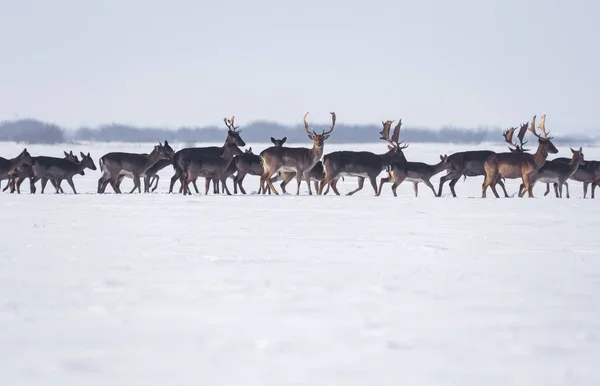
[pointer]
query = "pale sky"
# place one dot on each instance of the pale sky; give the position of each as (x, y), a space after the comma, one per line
(189, 62)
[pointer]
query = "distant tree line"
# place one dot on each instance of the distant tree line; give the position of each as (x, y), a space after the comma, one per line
(37, 132)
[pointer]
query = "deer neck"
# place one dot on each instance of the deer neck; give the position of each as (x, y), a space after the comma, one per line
(438, 168)
(575, 162)
(317, 152)
(153, 158)
(229, 152)
(16, 162)
(540, 156)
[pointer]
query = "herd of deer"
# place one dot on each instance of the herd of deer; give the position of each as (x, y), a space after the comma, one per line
(281, 163)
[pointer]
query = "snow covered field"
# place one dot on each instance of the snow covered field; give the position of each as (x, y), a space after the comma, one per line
(159, 289)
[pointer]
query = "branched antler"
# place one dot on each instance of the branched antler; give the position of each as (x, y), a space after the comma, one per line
(542, 127)
(230, 123)
(324, 133)
(508, 134)
(385, 132)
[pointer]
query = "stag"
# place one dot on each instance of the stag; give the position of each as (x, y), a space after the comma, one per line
(414, 172)
(518, 164)
(183, 156)
(557, 173)
(249, 163)
(294, 159)
(212, 166)
(363, 164)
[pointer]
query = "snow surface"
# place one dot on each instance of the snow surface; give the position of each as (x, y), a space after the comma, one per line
(159, 289)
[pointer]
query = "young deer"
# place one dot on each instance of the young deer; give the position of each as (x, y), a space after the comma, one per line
(294, 159)
(61, 168)
(363, 164)
(518, 164)
(557, 173)
(25, 172)
(414, 172)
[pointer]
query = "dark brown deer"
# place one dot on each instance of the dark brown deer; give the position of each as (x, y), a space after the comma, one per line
(151, 176)
(363, 164)
(9, 165)
(414, 172)
(299, 160)
(25, 172)
(60, 168)
(182, 157)
(470, 163)
(117, 165)
(518, 164)
(212, 166)
(557, 173)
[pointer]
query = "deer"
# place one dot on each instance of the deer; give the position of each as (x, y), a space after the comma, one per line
(470, 163)
(414, 172)
(151, 176)
(117, 165)
(556, 172)
(363, 164)
(9, 165)
(517, 164)
(211, 166)
(182, 157)
(588, 172)
(61, 168)
(294, 159)
(249, 163)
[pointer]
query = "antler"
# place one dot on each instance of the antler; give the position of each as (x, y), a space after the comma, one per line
(332, 124)
(508, 134)
(385, 133)
(521, 136)
(542, 127)
(532, 127)
(395, 136)
(310, 135)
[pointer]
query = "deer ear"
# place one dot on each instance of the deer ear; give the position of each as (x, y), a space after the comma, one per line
(66, 154)
(283, 139)
(82, 155)
(572, 151)
(580, 149)
(166, 142)
(273, 140)
(89, 154)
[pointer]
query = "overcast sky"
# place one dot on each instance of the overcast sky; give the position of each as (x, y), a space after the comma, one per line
(191, 62)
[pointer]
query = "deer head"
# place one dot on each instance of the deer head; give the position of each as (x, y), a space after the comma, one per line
(319, 139)
(545, 141)
(278, 142)
(233, 135)
(577, 156)
(25, 157)
(87, 161)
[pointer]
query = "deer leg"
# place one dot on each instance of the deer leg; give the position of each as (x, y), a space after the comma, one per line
(593, 188)
(31, 185)
(448, 177)
(416, 188)
(299, 181)
(176, 176)
(428, 183)
(528, 185)
(567, 186)
(521, 189)
(306, 175)
(333, 185)
(329, 185)
(585, 188)
(44, 182)
(486, 183)
(56, 184)
(155, 179)
(383, 180)
(206, 186)
(70, 181)
(560, 188)
(136, 184)
(224, 183)
(270, 183)
(452, 184)
(326, 180)
(556, 190)
(361, 183)
(547, 189)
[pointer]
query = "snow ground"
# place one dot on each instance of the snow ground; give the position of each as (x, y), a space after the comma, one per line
(160, 289)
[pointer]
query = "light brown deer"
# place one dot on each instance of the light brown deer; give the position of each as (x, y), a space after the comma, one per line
(294, 159)
(518, 164)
